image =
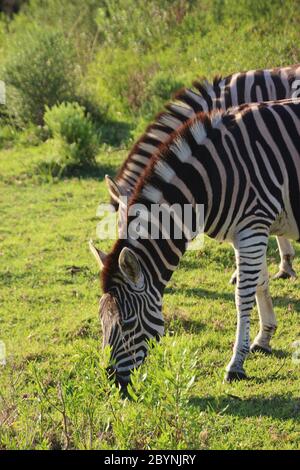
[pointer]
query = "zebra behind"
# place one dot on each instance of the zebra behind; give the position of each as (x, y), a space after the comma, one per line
(252, 86)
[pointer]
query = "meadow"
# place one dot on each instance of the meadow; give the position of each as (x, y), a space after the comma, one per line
(54, 393)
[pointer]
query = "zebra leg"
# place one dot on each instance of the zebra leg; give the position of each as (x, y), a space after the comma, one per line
(233, 278)
(267, 317)
(287, 254)
(250, 249)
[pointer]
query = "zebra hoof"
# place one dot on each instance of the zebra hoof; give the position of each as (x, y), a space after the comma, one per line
(234, 376)
(285, 275)
(255, 348)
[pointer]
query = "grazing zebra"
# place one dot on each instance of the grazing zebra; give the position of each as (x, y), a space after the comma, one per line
(243, 165)
(236, 89)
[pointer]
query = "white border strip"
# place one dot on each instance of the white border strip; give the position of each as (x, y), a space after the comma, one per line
(2, 92)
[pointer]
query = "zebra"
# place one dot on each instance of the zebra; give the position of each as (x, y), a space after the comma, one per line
(223, 93)
(243, 165)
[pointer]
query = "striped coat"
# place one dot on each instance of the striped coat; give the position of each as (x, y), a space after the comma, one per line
(223, 93)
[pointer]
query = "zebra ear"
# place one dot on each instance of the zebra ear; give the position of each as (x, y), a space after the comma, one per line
(99, 255)
(130, 266)
(115, 190)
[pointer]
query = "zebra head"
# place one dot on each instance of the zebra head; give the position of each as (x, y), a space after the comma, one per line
(129, 310)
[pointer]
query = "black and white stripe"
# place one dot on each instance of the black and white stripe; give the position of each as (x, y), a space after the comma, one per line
(234, 90)
(243, 165)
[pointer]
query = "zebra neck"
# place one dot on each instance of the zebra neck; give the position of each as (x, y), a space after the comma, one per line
(162, 243)
(159, 258)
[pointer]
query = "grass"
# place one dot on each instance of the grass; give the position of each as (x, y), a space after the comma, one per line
(53, 390)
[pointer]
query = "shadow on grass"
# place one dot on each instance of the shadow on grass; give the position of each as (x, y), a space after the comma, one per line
(201, 293)
(8, 278)
(276, 406)
(177, 323)
(53, 170)
(198, 292)
(280, 353)
(286, 303)
(226, 259)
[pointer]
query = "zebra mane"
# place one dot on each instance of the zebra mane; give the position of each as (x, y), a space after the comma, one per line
(111, 265)
(199, 124)
(185, 103)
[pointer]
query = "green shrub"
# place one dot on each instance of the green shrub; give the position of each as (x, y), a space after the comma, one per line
(73, 133)
(40, 67)
(163, 85)
(160, 89)
(245, 10)
(8, 136)
(136, 23)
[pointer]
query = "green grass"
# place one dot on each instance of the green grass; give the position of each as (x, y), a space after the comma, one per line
(53, 390)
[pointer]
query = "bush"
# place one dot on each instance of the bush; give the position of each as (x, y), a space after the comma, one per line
(8, 136)
(139, 24)
(160, 89)
(73, 133)
(41, 69)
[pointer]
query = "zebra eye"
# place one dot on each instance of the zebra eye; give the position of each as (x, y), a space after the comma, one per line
(129, 323)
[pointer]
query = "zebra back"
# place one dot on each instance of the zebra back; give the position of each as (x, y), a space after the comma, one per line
(223, 93)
